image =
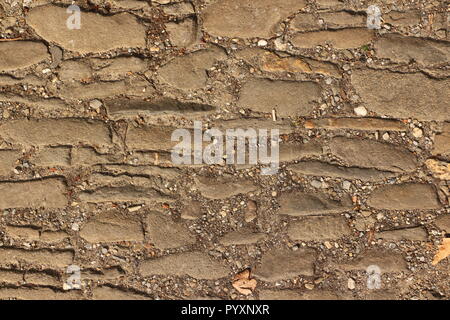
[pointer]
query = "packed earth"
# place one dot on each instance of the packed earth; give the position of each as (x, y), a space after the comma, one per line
(92, 207)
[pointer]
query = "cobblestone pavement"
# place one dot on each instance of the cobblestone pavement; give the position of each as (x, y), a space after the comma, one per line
(86, 178)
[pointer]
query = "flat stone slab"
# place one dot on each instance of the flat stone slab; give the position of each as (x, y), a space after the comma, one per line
(408, 196)
(373, 154)
(404, 99)
(288, 98)
(304, 204)
(21, 54)
(284, 264)
(248, 18)
(319, 228)
(194, 264)
(97, 33)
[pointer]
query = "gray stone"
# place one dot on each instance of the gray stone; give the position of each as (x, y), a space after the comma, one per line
(284, 264)
(408, 196)
(318, 229)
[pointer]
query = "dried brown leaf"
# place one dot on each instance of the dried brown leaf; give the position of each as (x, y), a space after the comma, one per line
(443, 252)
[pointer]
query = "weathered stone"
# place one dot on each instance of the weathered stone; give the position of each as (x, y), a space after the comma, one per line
(270, 62)
(442, 142)
(222, 188)
(192, 210)
(112, 227)
(23, 293)
(343, 19)
(194, 264)
(318, 229)
(193, 68)
(54, 259)
(164, 233)
(404, 49)
(42, 279)
(142, 171)
(290, 151)
(182, 34)
(104, 274)
(340, 39)
(11, 276)
(439, 169)
(124, 194)
(305, 22)
(52, 157)
(288, 98)
(284, 264)
(316, 168)
(387, 261)
(74, 70)
(283, 126)
(53, 236)
(109, 293)
(150, 138)
(443, 222)
(22, 232)
(123, 108)
(247, 18)
(117, 68)
(136, 87)
(97, 33)
(366, 124)
(415, 234)
(35, 102)
(402, 19)
(21, 54)
(242, 237)
(88, 156)
(303, 204)
(373, 154)
(251, 211)
(288, 294)
(404, 99)
(47, 193)
(8, 159)
(53, 132)
(408, 196)
(180, 8)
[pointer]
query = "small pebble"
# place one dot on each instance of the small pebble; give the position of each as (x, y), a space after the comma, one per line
(417, 132)
(351, 284)
(262, 43)
(361, 111)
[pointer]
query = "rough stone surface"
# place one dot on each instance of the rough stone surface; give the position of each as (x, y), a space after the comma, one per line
(21, 54)
(51, 132)
(48, 193)
(373, 154)
(112, 227)
(247, 18)
(387, 261)
(404, 99)
(316, 168)
(285, 264)
(165, 233)
(415, 234)
(318, 228)
(404, 49)
(340, 39)
(192, 66)
(194, 264)
(97, 33)
(288, 98)
(304, 204)
(223, 187)
(409, 196)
